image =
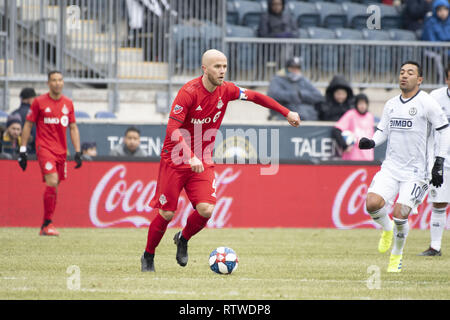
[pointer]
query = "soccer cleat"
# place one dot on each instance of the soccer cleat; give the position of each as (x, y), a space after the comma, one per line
(147, 264)
(385, 241)
(430, 252)
(49, 230)
(182, 253)
(395, 263)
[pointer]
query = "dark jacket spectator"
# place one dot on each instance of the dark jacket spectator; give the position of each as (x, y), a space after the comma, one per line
(277, 22)
(414, 14)
(27, 96)
(437, 27)
(10, 138)
(291, 89)
(339, 99)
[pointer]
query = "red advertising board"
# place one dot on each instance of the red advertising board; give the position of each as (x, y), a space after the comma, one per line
(117, 194)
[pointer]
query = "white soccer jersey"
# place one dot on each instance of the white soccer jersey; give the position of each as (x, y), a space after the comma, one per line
(408, 124)
(442, 96)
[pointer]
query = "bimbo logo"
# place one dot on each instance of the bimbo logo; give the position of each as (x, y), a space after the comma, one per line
(401, 123)
(116, 201)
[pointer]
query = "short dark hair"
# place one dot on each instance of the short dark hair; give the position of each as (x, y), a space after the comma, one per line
(133, 129)
(50, 73)
(447, 70)
(419, 67)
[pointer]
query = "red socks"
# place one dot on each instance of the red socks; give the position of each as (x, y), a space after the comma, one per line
(49, 202)
(195, 222)
(156, 231)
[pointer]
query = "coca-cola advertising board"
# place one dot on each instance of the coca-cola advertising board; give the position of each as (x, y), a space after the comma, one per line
(117, 194)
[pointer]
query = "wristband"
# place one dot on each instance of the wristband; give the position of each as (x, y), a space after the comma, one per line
(23, 149)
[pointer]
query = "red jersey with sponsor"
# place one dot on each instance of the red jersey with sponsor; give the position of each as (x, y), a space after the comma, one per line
(200, 113)
(52, 117)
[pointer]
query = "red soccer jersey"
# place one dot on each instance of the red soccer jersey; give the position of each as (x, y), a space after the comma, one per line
(52, 117)
(200, 113)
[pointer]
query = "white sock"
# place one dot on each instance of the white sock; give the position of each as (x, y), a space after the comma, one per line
(437, 225)
(401, 229)
(382, 218)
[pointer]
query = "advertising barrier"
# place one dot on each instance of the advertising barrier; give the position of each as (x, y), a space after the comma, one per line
(117, 194)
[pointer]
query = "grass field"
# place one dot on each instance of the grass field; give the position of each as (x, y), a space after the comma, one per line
(273, 264)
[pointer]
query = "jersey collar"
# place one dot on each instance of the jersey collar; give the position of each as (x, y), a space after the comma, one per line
(405, 101)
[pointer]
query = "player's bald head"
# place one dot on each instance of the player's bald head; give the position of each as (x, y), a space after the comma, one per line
(211, 56)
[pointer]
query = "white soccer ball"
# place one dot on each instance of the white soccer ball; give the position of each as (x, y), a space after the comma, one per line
(223, 260)
(349, 137)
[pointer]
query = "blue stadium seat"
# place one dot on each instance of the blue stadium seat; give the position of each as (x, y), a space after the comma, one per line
(232, 14)
(326, 54)
(187, 46)
(321, 33)
(356, 15)
(82, 115)
(332, 15)
(352, 56)
(105, 115)
(249, 12)
(245, 53)
(348, 34)
(402, 35)
(3, 114)
(305, 14)
(211, 36)
(390, 17)
(380, 57)
(302, 33)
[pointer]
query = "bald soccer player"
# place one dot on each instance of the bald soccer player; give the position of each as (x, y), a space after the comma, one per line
(186, 157)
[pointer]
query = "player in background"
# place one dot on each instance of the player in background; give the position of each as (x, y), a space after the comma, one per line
(440, 197)
(186, 157)
(407, 123)
(52, 113)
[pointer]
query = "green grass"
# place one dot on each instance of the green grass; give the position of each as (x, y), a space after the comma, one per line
(273, 264)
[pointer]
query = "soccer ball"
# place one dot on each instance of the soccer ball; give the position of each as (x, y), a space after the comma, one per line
(223, 260)
(349, 137)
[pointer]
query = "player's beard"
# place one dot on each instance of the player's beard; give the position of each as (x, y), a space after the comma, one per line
(214, 81)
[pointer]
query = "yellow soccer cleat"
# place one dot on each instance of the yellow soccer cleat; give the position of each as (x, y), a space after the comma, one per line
(395, 263)
(385, 241)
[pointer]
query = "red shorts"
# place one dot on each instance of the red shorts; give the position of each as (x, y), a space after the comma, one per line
(199, 187)
(50, 163)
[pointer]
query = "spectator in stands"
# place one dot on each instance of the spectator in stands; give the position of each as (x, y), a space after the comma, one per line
(360, 122)
(27, 96)
(130, 145)
(10, 139)
(292, 90)
(277, 22)
(88, 150)
(414, 13)
(339, 99)
(437, 27)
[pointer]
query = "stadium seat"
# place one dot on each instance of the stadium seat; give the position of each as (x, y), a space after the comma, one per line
(211, 36)
(305, 14)
(105, 115)
(302, 33)
(321, 33)
(82, 115)
(402, 35)
(380, 58)
(232, 14)
(332, 15)
(356, 15)
(187, 46)
(326, 55)
(3, 114)
(390, 17)
(352, 56)
(249, 13)
(348, 34)
(244, 53)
